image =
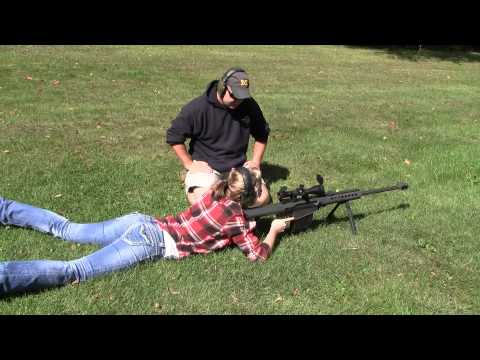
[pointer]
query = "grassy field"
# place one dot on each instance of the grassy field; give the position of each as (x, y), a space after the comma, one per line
(82, 132)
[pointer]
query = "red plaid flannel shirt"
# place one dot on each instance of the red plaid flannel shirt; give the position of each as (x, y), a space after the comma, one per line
(210, 225)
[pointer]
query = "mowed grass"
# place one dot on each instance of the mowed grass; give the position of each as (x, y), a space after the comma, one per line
(82, 132)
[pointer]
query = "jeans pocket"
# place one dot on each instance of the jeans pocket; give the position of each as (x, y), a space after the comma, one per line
(146, 234)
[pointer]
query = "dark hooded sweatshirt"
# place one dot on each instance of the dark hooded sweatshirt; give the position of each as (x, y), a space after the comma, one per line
(218, 135)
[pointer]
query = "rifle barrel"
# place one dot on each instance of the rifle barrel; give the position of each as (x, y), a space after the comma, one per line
(318, 201)
(398, 186)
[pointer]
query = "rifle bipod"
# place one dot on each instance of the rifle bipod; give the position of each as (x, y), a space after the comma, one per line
(349, 213)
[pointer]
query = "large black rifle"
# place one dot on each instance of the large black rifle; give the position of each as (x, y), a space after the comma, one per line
(302, 202)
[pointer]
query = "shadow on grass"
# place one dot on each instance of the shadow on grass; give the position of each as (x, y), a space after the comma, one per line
(9, 297)
(335, 220)
(271, 173)
(417, 53)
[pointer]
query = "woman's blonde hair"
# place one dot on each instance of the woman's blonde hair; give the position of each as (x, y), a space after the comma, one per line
(234, 187)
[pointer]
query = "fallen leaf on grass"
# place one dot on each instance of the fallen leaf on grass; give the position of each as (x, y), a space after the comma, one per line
(392, 125)
(55, 82)
(296, 292)
(6, 151)
(58, 196)
(407, 162)
(28, 77)
(234, 298)
(278, 299)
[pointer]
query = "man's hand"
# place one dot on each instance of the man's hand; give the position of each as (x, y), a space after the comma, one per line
(200, 166)
(252, 164)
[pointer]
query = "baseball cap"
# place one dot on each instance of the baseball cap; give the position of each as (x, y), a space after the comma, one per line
(240, 85)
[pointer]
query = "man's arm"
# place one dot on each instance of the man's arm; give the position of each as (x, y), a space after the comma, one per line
(259, 129)
(187, 162)
(181, 152)
(182, 127)
(257, 156)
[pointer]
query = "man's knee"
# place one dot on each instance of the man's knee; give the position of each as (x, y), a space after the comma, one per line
(197, 183)
(195, 193)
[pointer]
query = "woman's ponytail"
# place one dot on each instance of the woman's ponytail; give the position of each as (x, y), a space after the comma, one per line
(220, 189)
(233, 186)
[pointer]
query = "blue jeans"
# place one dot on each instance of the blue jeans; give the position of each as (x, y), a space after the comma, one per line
(124, 241)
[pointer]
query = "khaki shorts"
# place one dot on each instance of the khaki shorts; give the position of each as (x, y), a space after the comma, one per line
(203, 179)
(200, 179)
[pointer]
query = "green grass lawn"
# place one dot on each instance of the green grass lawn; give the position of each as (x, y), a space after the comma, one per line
(82, 132)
